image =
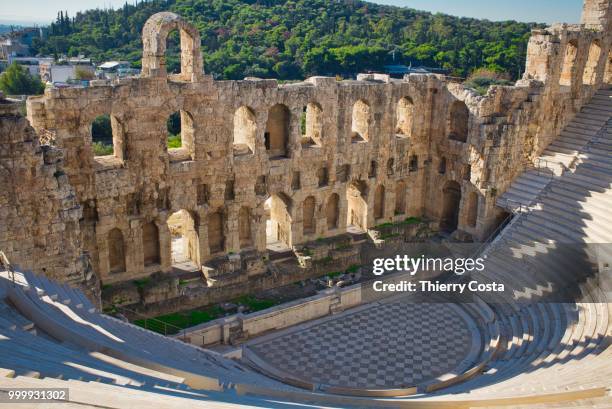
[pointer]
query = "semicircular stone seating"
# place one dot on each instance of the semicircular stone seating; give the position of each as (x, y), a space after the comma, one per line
(544, 342)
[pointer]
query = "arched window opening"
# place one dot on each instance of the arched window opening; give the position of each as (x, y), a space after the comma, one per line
(244, 227)
(277, 131)
(150, 244)
(400, 198)
(589, 77)
(343, 173)
(379, 202)
(451, 199)
(390, 166)
(311, 125)
(459, 116)
(472, 214)
(404, 114)
(308, 216)
(323, 177)
(373, 169)
(184, 233)
(442, 166)
(296, 180)
(413, 164)
(245, 131)
(332, 211)
(171, 47)
(360, 127)
(216, 233)
(467, 172)
(172, 56)
(182, 56)
(180, 131)
(116, 251)
(569, 64)
(107, 136)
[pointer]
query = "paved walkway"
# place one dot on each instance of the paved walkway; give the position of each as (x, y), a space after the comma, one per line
(393, 344)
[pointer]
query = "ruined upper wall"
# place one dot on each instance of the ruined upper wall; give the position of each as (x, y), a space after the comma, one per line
(597, 15)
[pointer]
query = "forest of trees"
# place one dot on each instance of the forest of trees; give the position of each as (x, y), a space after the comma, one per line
(292, 39)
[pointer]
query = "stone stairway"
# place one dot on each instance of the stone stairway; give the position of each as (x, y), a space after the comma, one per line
(564, 153)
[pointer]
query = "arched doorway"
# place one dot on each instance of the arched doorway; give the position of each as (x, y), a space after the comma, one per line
(185, 245)
(278, 223)
(308, 216)
(216, 233)
(116, 251)
(331, 211)
(150, 244)
(472, 213)
(451, 199)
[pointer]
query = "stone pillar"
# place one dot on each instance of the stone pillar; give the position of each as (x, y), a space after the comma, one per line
(134, 256)
(165, 244)
(232, 238)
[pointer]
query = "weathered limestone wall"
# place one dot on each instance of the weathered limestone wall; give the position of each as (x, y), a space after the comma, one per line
(374, 150)
(39, 213)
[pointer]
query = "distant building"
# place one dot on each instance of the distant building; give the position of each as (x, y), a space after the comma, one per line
(32, 64)
(116, 69)
(399, 70)
(66, 70)
(17, 43)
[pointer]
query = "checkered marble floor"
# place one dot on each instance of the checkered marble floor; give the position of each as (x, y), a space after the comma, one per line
(393, 344)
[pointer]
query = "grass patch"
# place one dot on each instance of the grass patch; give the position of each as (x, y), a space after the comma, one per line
(352, 268)
(411, 220)
(334, 274)
(255, 304)
(179, 320)
(174, 141)
(141, 283)
(102, 149)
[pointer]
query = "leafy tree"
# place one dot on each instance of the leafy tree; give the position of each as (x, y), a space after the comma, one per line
(16, 80)
(293, 39)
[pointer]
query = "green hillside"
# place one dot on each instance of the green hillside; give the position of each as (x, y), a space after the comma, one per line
(295, 39)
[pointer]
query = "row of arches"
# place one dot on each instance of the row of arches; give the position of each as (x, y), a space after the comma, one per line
(589, 73)
(108, 136)
(185, 230)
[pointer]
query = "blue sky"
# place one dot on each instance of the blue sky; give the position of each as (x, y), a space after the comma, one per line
(546, 11)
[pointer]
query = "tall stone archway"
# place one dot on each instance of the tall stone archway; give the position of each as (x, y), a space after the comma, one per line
(116, 251)
(154, 38)
(451, 200)
(150, 244)
(308, 216)
(332, 211)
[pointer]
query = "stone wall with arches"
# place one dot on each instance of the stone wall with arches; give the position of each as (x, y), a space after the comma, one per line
(315, 157)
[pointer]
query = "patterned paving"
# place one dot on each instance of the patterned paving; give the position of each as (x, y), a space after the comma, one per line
(391, 345)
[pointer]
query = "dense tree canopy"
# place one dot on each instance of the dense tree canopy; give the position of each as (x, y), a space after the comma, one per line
(16, 80)
(290, 39)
